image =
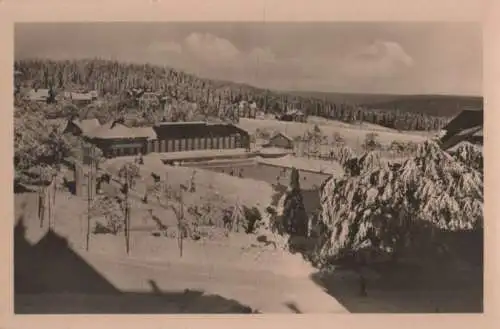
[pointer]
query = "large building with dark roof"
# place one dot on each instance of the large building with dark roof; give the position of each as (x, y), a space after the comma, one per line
(116, 139)
(188, 136)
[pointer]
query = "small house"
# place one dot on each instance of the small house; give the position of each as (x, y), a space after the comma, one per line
(280, 140)
(81, 99)
(149, 98)
(38, 95)
(293, 115)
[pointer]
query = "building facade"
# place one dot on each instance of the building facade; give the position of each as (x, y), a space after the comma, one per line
(117, 139)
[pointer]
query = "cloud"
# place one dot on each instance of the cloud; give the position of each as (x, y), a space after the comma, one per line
(381, 59)
(211, 48)
(212, 56)
(217, 57)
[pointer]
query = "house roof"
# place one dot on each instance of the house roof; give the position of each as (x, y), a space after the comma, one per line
(478, 133)
(466, 119)
(294, 112)
(111, 130)
(473, 133)
(455, 147)
(78, 96)
(147, 132)
(87, 125)
(283, 135)
(39, 94)
(465, 126)
(470, 131)
(195, 129)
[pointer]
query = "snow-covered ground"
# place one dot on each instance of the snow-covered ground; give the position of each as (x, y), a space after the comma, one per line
(353, 135)
(301, 163)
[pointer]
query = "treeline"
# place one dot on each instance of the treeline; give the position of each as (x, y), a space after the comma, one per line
(116, 79)
(434, 105)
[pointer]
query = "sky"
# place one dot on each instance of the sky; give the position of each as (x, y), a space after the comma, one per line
(352, 57)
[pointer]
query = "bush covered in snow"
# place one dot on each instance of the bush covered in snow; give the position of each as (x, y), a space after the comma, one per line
(389, 208)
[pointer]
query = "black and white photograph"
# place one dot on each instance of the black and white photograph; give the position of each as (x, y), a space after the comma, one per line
(248, 167)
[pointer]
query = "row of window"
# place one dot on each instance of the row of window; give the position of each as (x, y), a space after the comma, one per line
(189, 144)
(163, 146)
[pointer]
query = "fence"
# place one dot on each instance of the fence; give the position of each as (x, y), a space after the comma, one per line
(47, 202)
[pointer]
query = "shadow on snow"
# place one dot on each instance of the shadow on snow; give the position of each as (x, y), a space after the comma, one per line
(67, 284)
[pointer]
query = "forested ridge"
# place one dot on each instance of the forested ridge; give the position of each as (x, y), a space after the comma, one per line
(114, 78)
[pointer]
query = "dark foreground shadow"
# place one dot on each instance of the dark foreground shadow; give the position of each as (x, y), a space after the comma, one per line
(50, 278)
(21, 188)
(444, 285)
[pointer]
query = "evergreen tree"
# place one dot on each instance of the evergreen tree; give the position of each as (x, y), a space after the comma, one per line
(294, 212)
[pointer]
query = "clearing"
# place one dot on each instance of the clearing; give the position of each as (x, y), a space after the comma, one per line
(353, 134)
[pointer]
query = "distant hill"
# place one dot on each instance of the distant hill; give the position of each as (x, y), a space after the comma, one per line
(223, 98)
(435, 105)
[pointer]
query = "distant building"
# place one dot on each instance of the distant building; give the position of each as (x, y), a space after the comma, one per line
(79, 98)
(292, 115)
(466, 126)
(280, 140)
(38, 95)
(261, 115)
(149, 98)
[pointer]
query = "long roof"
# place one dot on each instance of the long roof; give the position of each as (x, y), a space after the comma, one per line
(195, 129)
(165, 130)
(113, 130)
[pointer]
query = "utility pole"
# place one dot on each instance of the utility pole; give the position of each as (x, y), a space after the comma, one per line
(127, 213)
(41, 203)
(90, 155)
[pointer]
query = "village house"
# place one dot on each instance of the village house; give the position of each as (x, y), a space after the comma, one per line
(292, 115)
(38, 95)
(280, 140)
(148, 99)
(78, 98)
